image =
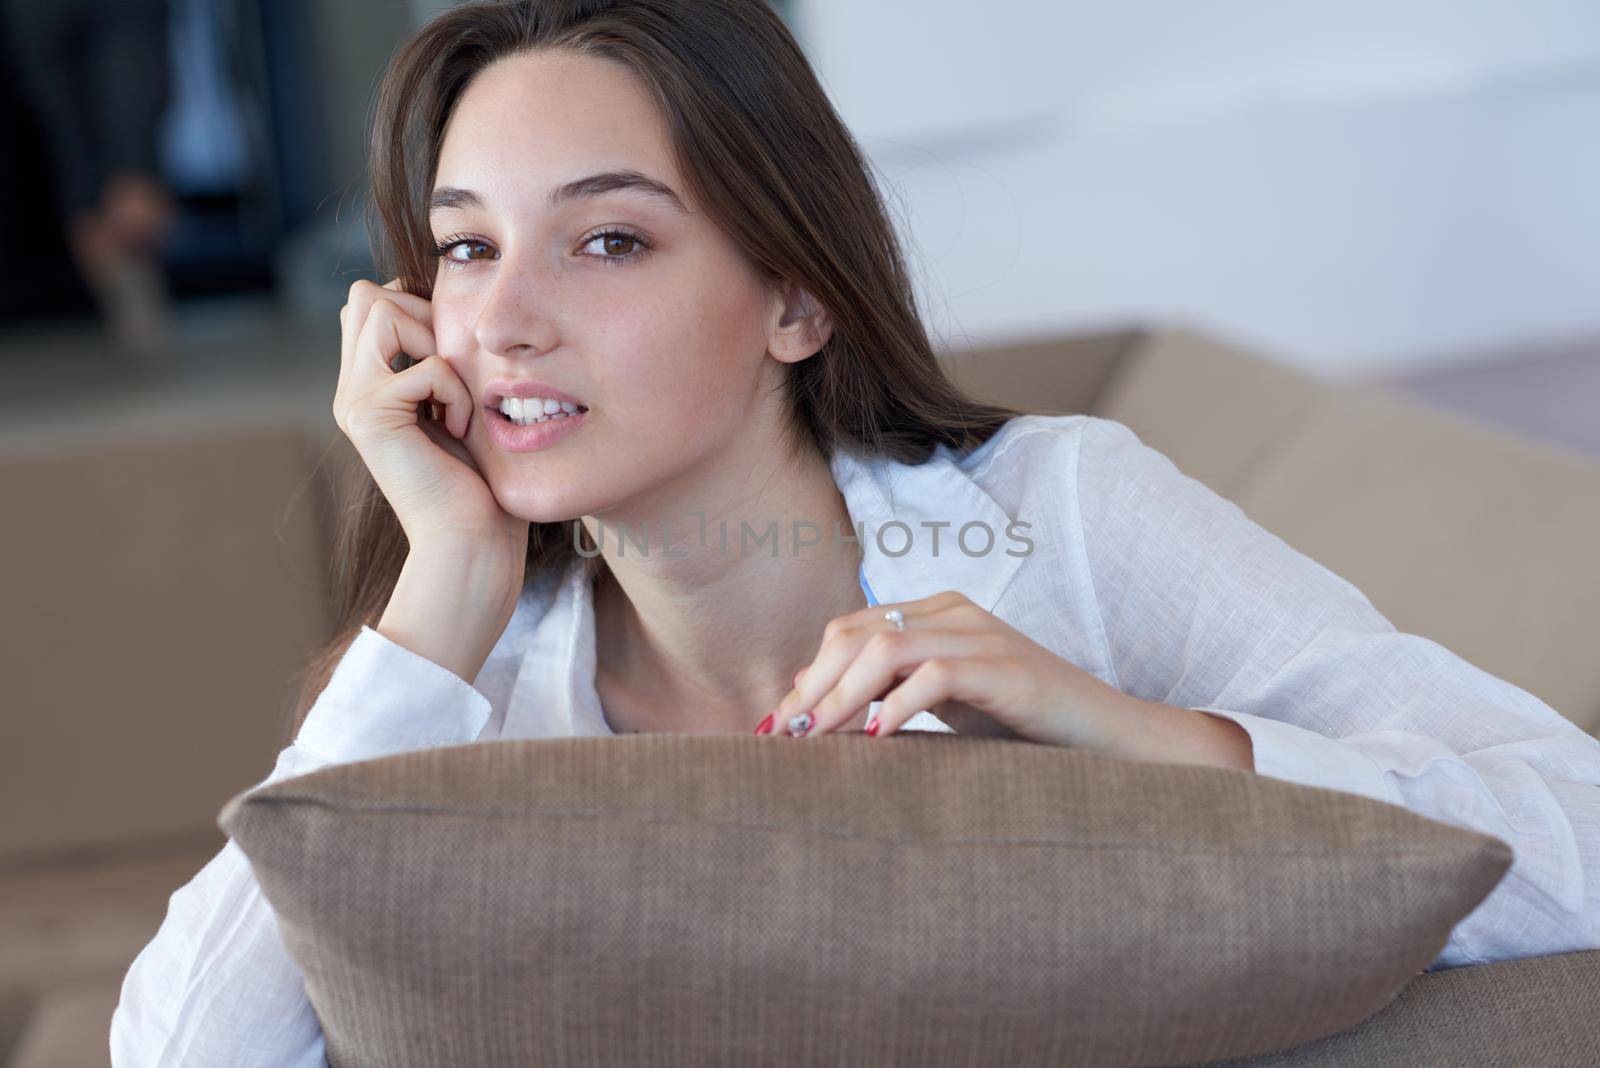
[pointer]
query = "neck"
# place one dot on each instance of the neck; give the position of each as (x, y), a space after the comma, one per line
(697, 637)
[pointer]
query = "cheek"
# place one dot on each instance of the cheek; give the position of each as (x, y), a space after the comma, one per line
(687, 378)
(452, 324)
(700, 355)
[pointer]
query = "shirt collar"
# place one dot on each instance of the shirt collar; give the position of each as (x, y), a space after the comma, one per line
(909, 516)
(888, 502)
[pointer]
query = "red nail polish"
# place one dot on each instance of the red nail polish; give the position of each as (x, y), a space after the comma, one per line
(872, 726)
(765, 725)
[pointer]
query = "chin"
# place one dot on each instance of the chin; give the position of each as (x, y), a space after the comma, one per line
(537, 505)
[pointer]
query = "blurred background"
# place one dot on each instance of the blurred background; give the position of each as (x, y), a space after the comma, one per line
(1376, 192)
(1397, 196)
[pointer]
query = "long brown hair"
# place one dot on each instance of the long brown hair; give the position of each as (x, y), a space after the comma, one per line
(761, 149)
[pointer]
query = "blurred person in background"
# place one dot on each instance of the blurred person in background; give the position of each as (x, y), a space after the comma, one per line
(96, 76)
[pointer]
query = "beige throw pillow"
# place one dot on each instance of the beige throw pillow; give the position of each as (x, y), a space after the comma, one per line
(923, 898)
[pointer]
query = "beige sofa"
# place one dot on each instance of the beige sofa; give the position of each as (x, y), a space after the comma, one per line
(152, 678)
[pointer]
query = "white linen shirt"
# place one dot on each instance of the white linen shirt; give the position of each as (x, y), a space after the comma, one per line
(1138, 574)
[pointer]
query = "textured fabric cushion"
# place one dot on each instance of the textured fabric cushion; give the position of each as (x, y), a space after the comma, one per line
(929, 899)
(1538, 1010)
(1053, 375)
(1217, 408)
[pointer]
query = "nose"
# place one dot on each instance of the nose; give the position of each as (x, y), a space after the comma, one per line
(509, 322)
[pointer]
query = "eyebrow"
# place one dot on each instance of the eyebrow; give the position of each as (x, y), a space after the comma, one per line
(446, 197)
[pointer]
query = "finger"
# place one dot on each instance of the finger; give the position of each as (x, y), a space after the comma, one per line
(418, 307)
(442, 436)
(971, 679)
(841, 641)
(393, 403)
(358, 306)
(932, 605)
(885, 659)
(387, 332)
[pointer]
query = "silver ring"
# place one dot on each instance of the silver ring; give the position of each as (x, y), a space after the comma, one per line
(897, 617)
(798, 725)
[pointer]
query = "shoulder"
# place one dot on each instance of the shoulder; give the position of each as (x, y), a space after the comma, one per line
(1051, 450)
(1084, 476)
(1027, 473)
(1086, 455)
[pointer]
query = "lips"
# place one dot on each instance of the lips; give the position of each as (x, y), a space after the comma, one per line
(514, 437)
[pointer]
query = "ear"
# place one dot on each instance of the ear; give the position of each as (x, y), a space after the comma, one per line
(800, 324)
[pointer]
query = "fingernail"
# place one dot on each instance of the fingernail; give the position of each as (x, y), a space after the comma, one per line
(765, 725)
(872, 725)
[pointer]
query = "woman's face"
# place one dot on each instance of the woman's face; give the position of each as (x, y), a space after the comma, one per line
(646, 314)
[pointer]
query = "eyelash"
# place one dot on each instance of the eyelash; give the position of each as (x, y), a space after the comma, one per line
(442, 249)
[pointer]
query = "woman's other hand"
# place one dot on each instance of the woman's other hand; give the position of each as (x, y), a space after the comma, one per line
(966, 666)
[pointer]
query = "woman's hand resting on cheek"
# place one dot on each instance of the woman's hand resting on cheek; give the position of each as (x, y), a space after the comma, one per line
(967, 667)
(467, 557)
(421, 465)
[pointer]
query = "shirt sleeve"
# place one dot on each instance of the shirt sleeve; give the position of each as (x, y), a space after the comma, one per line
(1202, 608)
(216, 984)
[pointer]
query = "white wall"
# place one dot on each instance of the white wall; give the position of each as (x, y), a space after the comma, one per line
(1358, 188)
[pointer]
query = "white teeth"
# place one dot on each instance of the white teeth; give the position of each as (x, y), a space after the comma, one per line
(532, 419)
(529, 410)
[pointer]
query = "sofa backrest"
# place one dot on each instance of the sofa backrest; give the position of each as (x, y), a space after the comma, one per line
(165, 583)
(1462, 532)
(168, 583)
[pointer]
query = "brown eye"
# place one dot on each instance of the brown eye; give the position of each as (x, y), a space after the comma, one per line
(445, 250)
(617, 246)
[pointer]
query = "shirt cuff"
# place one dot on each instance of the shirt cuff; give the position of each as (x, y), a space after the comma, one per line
(1285, 751)
(382, 698)
(926, 721)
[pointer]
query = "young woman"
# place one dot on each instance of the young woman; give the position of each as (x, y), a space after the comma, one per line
(646, 215)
